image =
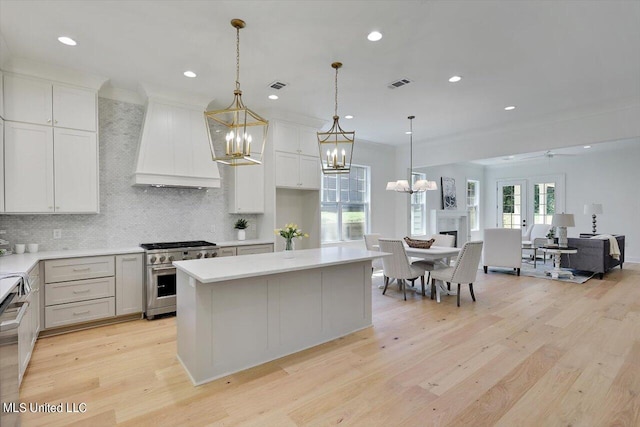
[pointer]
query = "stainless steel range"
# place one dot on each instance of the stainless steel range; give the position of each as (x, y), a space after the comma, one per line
(161, 274)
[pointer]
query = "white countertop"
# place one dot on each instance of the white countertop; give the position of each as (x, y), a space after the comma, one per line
(229, 268)
(244, 242)
(24, 262)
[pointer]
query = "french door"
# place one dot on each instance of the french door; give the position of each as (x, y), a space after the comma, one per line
(512, 204)
(533, 200)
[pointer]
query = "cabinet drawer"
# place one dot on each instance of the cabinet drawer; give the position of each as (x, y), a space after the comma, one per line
(79, 290)
(63, 270)
(254, 249)
(76, 312)
(227, 252)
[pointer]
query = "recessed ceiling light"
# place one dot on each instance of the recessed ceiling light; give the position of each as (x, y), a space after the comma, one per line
(455, 79)
(273, 96)
(587, 146)
(190, 74)
(510, 107)
(408, 132)
(511, 157)
(217, 130)
(67, 40)
(374, 36)
(348, 117)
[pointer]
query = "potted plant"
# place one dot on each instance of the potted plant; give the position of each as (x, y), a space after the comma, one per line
(550, 236)
(241, 225)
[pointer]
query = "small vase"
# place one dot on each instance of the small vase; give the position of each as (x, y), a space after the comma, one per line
(550, 242)
(241, 235)
(288, 248)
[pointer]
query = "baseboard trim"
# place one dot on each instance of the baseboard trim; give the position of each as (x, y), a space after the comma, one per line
(88, 325)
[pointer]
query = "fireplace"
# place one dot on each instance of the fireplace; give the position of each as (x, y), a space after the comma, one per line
(451, 222)
(453, 233)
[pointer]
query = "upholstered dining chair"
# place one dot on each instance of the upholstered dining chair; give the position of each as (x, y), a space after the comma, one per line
(397, 266)
(465, 270)
(370, 241)
(446, 240)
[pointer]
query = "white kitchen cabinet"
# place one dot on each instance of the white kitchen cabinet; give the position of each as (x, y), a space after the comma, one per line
(43, 102)
(297, 171)
(129, 284)
(41, 179)
(25, 344)
(246, 189)
(295, 138)
(28, 100)
(1, 95)
(34, 280)
(74, 108)
(28, 172)
(76, 171)
(254, 249)
(309, 174)
(231, 251)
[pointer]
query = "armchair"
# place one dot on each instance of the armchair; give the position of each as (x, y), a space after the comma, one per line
(502, 248)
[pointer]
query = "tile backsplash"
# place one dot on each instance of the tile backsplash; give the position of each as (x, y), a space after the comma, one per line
(130, 215)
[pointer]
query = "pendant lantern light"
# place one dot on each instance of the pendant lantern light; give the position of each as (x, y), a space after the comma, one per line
(247, 131)
(336, 145)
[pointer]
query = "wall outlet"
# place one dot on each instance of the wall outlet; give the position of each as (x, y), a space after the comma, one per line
(57, 233)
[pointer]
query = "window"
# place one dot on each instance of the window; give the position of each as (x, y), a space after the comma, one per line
(473, 203)
(418, 208)
(344, 205)
(544, 202)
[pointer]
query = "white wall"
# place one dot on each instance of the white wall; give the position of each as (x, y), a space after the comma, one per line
(610, 177)
(460, 172)
(381, 160)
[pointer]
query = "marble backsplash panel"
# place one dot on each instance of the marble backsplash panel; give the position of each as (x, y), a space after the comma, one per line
(130, 215)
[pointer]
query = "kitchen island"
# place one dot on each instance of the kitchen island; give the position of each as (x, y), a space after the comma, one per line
(235, 313)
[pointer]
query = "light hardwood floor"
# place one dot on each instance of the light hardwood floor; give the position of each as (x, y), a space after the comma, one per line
(529, 352)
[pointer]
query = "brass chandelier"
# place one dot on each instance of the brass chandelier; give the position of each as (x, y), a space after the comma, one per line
(244, 125)
(337, 142)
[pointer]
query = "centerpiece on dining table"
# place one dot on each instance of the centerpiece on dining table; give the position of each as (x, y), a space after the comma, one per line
(289, 232)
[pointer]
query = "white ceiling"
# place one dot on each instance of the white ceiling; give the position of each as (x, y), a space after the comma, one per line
(545, 57)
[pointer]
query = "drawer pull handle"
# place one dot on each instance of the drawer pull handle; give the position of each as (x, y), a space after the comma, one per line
(82, 292)
(78, 313)
(82, 269)
(129, 259)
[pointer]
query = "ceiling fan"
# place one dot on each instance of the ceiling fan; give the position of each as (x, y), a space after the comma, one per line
(548, 154)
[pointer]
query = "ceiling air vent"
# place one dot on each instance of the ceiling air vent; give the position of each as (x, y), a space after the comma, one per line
(399, 83)
(277, 85)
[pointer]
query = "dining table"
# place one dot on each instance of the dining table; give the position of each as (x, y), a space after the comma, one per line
(438, 255)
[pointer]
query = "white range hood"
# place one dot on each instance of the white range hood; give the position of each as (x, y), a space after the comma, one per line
(174, 147)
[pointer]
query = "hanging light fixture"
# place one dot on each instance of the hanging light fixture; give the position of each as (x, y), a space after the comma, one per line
(245, 126)
(402, 185)
(335, 143)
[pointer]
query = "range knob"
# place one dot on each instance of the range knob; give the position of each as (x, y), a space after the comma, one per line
(214, 254)
(206, 255)
(171, 258)
(152, 259)
(162, 258)
(199, 255)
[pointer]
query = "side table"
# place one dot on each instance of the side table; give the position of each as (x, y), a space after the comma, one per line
(557, 252)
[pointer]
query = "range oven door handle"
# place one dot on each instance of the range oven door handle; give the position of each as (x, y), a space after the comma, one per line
(14, 323)
(154, 269)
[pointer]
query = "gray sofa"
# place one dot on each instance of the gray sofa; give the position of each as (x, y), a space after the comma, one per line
(593, 255)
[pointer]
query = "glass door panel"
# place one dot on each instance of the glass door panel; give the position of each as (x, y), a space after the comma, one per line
(512, 204)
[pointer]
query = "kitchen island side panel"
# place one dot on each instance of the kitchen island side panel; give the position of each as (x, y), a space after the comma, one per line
(241, 323)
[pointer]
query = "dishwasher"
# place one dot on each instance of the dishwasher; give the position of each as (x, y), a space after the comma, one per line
(12, 311)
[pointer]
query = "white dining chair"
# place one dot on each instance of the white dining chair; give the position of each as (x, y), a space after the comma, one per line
(371, 243)
(464, 272)
(397, 265)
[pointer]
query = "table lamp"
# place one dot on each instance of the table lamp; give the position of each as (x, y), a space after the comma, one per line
(593, 209)
(561, 221)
